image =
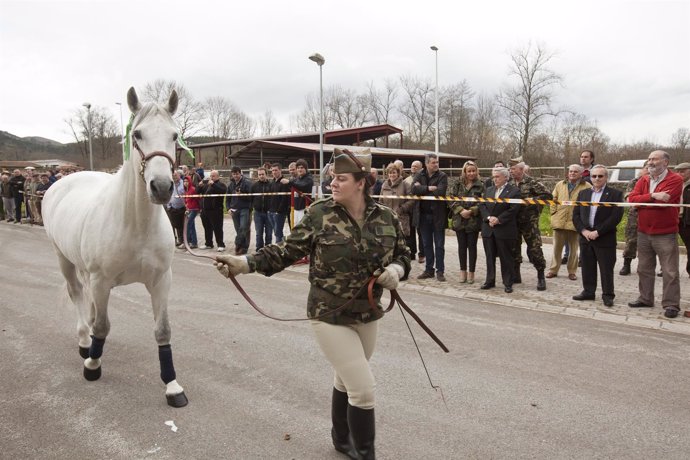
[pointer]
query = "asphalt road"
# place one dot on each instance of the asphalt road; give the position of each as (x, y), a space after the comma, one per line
(517, 383)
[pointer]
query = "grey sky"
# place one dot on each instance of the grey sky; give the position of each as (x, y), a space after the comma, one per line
(624, 63)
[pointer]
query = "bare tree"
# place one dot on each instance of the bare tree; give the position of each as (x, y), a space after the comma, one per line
(224, 121)
(189, 114)
(345, 108)
(308, 119)
(382, 102)
(680, 140)
(417, 109)
(269, 124)
(529, 101)
(456, 113)
(577, 133)
(105, 135)
(486, 129)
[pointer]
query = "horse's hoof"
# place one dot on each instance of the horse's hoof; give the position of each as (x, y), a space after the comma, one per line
(84, 352)
(92, 374)
(178, 400)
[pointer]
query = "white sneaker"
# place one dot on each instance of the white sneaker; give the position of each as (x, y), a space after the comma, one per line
(221, 249)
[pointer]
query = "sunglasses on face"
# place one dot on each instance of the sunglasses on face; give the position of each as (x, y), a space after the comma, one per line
(597, 176)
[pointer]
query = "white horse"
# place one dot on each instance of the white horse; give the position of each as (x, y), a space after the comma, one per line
(111, 230)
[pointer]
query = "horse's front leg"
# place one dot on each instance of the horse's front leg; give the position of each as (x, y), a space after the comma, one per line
(100, 327)
(159, 291)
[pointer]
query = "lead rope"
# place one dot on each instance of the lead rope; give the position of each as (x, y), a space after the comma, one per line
(395, 297)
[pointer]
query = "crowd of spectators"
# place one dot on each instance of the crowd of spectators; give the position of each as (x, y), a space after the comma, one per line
(587, 233)
(22, 194)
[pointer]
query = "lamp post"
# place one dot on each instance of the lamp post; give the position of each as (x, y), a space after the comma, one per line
(88, 110)
(122, 126)
(435, 50)
(316, 57)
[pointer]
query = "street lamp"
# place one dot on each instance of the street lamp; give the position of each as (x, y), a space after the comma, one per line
(122, 126)
(88, 110)
(435, 50)
(316, 57)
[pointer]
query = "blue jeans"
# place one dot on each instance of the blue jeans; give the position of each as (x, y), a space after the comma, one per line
(191, 228)
(240, 218)
(433, 237)
(262, 226)
(277, 220)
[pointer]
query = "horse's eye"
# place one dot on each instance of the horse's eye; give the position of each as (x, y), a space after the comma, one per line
(175, 137)
(137, 134)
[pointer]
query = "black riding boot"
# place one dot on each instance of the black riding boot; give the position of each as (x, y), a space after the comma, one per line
(626, 267)
(363, 429)
(541, 282)
(340, 431)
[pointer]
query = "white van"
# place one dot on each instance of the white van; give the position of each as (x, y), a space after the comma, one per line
(621, 176)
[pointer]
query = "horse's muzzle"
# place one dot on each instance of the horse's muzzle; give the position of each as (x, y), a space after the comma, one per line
(160, 190)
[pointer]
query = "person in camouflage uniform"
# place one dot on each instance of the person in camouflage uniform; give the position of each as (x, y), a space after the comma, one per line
(630, 251)
(349, 237)
(528, 222)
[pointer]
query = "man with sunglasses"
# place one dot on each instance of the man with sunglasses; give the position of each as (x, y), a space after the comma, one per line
(596, 226)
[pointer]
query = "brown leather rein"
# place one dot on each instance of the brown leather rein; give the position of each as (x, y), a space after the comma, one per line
(369, 287)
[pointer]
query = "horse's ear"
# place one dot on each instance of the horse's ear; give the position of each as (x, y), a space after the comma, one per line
(172, 102)
(133, 100)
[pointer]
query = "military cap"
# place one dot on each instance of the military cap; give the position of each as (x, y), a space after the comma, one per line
(681, 166)
(343, 161)
(516, 160)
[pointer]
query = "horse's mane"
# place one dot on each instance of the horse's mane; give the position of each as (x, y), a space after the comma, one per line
(150, 109)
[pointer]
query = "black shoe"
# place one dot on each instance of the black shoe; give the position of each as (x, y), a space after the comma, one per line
(583, 296)
(487, 286)
(425, 275)
(564, 260)
(440, 276)
(508, 289)
(608, 302)
(670, 312)
(638, 304)
(625, 270)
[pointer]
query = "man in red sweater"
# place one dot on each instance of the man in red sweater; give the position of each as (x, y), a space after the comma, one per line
(657, 227)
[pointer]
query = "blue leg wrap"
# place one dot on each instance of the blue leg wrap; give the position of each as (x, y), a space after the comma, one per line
(166, 360)
(96, 350)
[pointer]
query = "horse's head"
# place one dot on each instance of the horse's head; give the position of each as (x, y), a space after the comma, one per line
(153, 137)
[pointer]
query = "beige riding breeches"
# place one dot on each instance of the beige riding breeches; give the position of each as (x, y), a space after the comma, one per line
(348, 349)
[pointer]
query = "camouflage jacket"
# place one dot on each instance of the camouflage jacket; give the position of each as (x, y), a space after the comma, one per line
(473, 223)
(530, 188)
(632, 211)
(342, 257)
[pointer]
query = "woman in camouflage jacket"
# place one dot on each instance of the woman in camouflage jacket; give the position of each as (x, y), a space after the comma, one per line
(348, 237)
(466, 218)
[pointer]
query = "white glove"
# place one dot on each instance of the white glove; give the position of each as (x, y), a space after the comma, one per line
(235, 265)
(391, 276)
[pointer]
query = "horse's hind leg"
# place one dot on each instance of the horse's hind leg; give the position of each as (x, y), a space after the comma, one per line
(100, 293)
(174, 393)
(75, 289)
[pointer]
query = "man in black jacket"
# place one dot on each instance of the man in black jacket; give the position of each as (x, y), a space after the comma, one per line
(597, 228)
(431, 216)
(212, 210)
(17, 186)
(261, 204)
(279, 205)
(240, 207)
(499, 229)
